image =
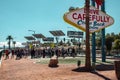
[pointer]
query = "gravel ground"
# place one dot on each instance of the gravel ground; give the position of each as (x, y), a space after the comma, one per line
(27, 69)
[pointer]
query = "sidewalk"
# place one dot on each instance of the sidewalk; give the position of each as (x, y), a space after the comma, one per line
(26, 69)
(0, 62)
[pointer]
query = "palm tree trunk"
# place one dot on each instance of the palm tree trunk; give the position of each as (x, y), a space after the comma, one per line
(87, 60)
(9, 38)
(9, 44)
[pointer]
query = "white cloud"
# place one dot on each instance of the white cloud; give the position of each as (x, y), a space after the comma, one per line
(18, 44)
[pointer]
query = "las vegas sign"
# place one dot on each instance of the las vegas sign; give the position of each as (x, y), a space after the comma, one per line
(97, 19)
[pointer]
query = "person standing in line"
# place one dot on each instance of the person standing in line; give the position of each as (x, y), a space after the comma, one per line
(32, 53)
(6, 54)
(44, 53)
(73, 52)
(13, 53)
(63, 52)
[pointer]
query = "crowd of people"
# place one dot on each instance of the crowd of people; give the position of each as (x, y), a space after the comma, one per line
(43, 52)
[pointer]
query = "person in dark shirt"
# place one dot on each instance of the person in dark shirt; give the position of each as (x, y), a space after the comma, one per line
(32, 53)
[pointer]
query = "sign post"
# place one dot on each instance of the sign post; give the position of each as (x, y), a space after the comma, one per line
(103, 36)
(93, 41)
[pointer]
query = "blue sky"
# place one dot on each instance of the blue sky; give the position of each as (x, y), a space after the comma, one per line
(42, 16)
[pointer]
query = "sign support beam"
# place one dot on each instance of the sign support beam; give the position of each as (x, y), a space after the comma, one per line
(103, 36)
(93, 41)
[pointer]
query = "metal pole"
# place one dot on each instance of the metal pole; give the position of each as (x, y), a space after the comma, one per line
(34, 33)
(103, 36)
(93, 41)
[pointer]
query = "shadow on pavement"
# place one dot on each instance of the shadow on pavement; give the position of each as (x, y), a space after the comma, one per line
(104, 67)
(102, 76)
(100, 67)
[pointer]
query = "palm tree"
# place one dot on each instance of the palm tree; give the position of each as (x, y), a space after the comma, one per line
(71, 9)
(87, 55)
(117, 45)
(108, 42)
(14, 42)
(9, 38)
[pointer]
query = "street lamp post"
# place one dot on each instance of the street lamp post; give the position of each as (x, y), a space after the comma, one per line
(34, 33)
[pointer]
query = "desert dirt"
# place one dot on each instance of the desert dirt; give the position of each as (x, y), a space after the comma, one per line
(27, 69)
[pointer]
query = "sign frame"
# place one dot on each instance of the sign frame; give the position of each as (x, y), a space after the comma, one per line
(83, 28)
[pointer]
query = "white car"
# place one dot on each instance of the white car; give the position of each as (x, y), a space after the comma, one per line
(1, 52)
